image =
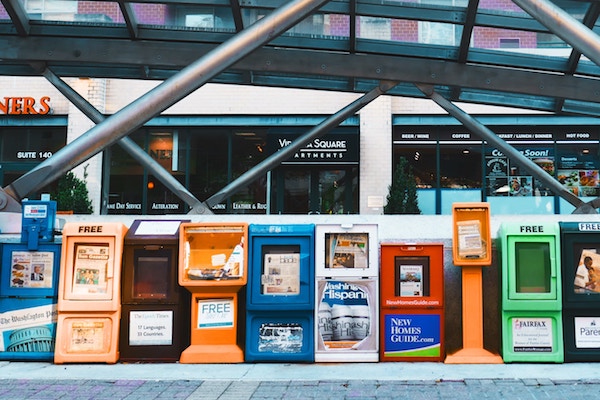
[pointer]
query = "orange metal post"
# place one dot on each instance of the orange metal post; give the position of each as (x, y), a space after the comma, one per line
(472, 309)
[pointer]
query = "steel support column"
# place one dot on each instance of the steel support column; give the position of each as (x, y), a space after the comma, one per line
(486, 134)
(288, 151)
(163, 96)
(197, 207)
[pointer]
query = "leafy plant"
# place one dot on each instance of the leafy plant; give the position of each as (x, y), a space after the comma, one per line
(72, 194)
(402, 196)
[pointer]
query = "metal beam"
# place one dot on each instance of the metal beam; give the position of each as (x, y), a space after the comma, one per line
(486, 134)
(173, 56)
(129, 145)
(563, 25)
(163, 96)
(18, 15)
(130, 20)
(289, 151)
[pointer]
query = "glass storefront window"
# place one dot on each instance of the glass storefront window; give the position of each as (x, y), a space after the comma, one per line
(321, 178)
(460, 166)
(578, 167)
(422, 159)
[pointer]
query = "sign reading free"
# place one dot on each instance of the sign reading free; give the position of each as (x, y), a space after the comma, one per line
(215, 313)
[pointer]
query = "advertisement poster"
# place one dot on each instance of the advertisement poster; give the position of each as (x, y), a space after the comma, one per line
(506, 178)
(470, 244)
(281, 274)
(587, 332)
(532, 335)
(30, 329)
(91, 268)
(411, 280)
(346, 250)
(347, 315)
(581, 182)
(148, 328)
(88, 336)
(217, 313)
(412, 335)
(587, 273)
(31, 269)
(280, 338)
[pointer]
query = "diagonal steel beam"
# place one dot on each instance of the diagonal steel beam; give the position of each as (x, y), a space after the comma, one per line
(163, 96)
(129, 145)
(563, 25)
(288, 151)
(482, 131)
(18, 15)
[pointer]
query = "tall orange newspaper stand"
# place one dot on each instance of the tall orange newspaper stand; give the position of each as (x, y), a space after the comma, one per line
(472, 250)
(213, 267)
(89, 294)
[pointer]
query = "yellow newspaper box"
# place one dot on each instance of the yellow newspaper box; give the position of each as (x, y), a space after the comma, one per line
(89, 295)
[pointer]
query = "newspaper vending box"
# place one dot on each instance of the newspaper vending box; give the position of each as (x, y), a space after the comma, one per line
(531, 292)
(412, 302)
(89, 293)
(280, 293)
(347, 293)
(155, 309)
(580, 250)
(213, 267)
(29, 286)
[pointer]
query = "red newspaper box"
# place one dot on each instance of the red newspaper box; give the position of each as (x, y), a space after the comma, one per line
(412, 302)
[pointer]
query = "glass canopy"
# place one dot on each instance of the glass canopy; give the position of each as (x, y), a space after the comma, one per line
(479, 51)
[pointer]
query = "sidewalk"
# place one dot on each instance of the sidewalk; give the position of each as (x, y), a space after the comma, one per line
(35, 380)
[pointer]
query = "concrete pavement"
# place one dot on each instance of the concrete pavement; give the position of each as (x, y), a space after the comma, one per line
(384, 380)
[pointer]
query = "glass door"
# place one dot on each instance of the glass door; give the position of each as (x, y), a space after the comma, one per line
(316, 191)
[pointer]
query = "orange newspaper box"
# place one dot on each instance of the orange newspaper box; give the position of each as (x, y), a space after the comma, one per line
(412, 302)
(89, 295)
(472, 250)
(471, 238)
(213, 267)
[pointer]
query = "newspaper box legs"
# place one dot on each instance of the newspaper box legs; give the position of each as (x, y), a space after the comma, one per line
(213, 267)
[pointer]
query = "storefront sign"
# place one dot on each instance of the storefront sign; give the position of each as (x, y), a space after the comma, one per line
(151, 328)
(408, 335)
(25, 106)
(330, 149)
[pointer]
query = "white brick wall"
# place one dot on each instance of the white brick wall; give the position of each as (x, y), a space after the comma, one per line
(94, 91)
(375, 155)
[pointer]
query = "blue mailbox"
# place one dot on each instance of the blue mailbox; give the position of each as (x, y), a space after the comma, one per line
(280, 293)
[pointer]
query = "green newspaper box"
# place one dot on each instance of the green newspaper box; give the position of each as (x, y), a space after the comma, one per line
(531, 292)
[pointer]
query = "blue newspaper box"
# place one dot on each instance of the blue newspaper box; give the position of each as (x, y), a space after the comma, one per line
(580, 251)
(280, 293)
(29, 287)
